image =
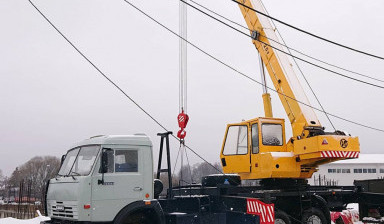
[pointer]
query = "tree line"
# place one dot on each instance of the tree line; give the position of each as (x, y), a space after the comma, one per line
(34, 173)
(37, 171)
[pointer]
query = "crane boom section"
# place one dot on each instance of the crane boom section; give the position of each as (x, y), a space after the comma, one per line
(285, 81)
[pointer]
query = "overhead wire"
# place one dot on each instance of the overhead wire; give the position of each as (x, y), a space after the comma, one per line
(309, 33)
(285, 45)
(301, 71)
(206, 53)
(196, 47)
(116, 86)
(244, 75)
(126, 95)
(306, 61)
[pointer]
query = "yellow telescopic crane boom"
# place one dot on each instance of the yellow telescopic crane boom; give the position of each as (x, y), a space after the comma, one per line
(280, 69)
(258, 149)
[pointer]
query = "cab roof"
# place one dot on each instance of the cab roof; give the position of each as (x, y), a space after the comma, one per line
(260, 119)
(136, 139)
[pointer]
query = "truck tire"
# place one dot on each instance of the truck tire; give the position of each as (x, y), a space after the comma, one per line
(281, 217)
(321, 203)
(140, 213)
(145, 216)
(314, 216)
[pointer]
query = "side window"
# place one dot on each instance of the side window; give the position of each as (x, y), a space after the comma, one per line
(255, 139)
(236, 141)
(126, 161)
(272, 134)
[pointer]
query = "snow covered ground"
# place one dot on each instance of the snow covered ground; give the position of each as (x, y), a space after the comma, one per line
(36, 220)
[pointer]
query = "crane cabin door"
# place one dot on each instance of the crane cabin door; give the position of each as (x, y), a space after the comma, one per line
(235, 157)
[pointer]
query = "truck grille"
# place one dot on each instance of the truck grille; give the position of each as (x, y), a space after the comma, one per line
(67, 210)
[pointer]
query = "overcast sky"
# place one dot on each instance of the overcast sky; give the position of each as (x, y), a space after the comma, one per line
(51, 97)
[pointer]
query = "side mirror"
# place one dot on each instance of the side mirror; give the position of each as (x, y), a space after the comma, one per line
(105, 160)
(104, 164)
(62, 159)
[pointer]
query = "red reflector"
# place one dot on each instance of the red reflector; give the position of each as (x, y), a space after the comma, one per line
(325, 142)
(87, 206)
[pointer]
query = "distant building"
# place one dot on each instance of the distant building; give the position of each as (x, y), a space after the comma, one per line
(367, 166)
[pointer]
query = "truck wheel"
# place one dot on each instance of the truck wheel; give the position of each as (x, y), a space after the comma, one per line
(281, 217)
(144, 216)
(313, 216)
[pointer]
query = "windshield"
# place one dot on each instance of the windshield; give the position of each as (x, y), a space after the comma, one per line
(79, 161)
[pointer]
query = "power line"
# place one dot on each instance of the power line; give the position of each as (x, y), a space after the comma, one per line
(289, 48)
(244, 75)
(114, 84)
(301, 72)
(204, 52)
(313, 92)
(306, 32)
(306, 61)
(125, 94)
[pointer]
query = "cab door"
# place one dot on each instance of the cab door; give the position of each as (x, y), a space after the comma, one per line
(123, 183)
(235, 157)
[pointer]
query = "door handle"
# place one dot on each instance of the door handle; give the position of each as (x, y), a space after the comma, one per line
(137, 189)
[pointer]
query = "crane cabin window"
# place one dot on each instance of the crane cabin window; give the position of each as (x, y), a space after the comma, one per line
(236, 142)
(272, 134)
(255, 139)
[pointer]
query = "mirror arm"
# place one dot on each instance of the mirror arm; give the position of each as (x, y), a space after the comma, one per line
(101, 182)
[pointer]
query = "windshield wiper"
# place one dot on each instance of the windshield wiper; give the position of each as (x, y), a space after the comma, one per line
(76, 173)
(71, 174)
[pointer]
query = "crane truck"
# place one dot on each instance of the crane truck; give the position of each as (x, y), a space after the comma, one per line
(258, 149)
(109, 179)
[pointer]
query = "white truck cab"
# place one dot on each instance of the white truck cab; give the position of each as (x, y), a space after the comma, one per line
(83, 192)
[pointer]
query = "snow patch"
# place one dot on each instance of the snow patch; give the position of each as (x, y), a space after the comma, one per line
(36, 220)
(353, 206)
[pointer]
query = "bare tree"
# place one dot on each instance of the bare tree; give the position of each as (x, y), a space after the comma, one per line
(194, 173)
(38, 171)
(2, 185)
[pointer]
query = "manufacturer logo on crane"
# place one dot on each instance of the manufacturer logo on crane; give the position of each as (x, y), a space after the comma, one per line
(343, 143)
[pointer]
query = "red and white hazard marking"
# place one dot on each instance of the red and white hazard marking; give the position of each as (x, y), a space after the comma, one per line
(339, 154)
(265, 211)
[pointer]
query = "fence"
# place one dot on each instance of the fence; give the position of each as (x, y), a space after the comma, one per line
(323, 181)
(19, 211)
(22, 202)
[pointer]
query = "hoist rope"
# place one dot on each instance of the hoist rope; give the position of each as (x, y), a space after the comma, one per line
(241, 73)
(301, 71)
(199, 49)
(189, 165)
(113, 83)
(284, 52)
(183, 57)
(122, 91)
